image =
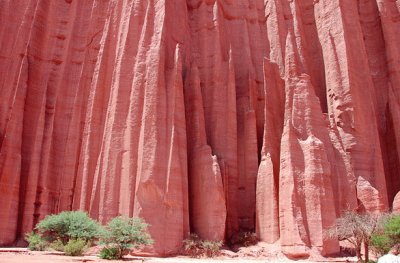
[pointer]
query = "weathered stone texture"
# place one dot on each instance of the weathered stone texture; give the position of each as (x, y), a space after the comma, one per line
(206, 116)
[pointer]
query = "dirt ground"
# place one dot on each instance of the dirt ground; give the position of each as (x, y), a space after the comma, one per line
(24, 256)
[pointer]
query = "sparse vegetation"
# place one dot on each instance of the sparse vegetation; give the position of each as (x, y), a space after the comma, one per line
(245, 239)
(195, 247)
(192, 246)
(75, 247)
(392, 228)
(109, 253)
(74, 231)
(122, 234)
(357, 229)
(36, 242)
(57, 245)
(387, 235)
(381, 244)
(211, 248)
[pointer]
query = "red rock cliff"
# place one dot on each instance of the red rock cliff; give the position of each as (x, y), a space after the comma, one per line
(210, 116)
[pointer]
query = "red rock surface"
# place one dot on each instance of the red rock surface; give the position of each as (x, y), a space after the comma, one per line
(207, 116)
(396, 204)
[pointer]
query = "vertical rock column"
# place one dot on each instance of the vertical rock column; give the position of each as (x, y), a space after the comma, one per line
(243, 24)
(351, 106)
(161, 196)
(52, 57)
(306, 203)
(267, 216)
(94, 87)
(213, 56)
(13, 86)
(389, 12)
(207, 196)
(161, 184)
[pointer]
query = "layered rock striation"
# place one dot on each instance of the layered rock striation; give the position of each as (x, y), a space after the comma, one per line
(205, 116)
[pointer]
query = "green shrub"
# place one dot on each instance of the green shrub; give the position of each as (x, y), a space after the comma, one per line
(57, 245)
(387, 236)
(392, 229)
(75, 247)
(123, 234)
(36, 242)
(195, 247)
(69, 225)
(109, 253)
(381, 244)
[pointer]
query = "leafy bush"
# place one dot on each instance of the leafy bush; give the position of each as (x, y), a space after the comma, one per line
(195, 247)
(123, 234)
(109, 253)
(36, 242)
(69, 225)
(75, 247)
(57, 245)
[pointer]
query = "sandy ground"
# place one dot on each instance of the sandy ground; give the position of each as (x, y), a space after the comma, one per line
(25, 256)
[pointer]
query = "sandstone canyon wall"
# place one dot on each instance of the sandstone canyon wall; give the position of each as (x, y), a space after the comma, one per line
(206, 116)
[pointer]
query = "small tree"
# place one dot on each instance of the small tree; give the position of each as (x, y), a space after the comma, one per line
(357, 229)
(69, 225)
(122, 234)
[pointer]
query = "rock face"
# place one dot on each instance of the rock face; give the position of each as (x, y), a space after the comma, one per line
(396, 204)
(205, 116)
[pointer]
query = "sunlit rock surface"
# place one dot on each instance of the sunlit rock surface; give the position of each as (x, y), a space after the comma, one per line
(206, 116)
